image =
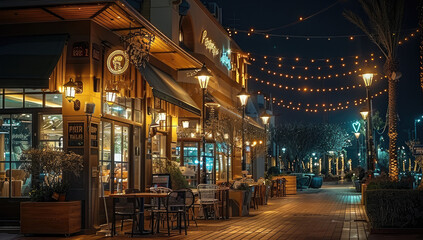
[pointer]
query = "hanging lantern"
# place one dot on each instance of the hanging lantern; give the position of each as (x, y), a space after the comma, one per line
(111, 96)
(70, 90)
(185, 124)
(243, 97)
(203, 77)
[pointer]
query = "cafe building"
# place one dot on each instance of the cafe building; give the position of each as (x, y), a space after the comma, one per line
(93, 77)
(197, 28)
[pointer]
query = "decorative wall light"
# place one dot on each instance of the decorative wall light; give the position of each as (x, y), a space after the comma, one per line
(70, 89)
(185, 124)
(111, 96)
(137, 45)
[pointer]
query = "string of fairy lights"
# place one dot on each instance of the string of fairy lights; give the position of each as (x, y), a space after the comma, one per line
(322, 107)
(306, 89)
(351, 37)
(313, 64)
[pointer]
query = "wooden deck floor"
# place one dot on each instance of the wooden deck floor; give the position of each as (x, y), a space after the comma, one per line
(332, 212)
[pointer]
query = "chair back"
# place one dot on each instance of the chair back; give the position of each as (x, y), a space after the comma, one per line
(189, 198)
(176, 199)
(207, 192)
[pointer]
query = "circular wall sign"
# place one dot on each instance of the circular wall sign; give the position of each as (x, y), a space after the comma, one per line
(118, 62)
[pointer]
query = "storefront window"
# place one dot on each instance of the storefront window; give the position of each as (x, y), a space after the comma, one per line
(53, 100)
(121, 108)
(51, 131)
(158, 153)
(15, 137)
(29, 98)
(191, 162)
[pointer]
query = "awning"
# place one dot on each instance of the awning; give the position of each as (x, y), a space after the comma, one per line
(28, 61)
(165, 87)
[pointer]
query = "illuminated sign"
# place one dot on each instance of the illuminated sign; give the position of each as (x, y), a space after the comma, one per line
(118, 62)
(356, 126)
(225, 59)
(209, 44)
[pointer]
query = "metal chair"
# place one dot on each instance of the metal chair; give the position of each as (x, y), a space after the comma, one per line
(189, 202)
(207, 198)
(175, 203)
(127, 207)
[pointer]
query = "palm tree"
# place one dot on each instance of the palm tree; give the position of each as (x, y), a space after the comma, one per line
(383, 27)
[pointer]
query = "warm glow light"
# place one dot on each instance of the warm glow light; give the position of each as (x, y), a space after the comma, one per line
(70, 90)
(364, 113)
(368, 77)
(162, 116)
(357, 135)
(243, 97)
(111, 96)
(265, 118)
(203, 77)
(185, 124)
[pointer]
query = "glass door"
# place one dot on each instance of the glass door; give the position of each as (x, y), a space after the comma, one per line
(114, 154)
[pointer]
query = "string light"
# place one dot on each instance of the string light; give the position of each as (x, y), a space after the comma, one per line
(350, 37)
(318, 77)
(305, 89)
(312, 60)
(322, 107)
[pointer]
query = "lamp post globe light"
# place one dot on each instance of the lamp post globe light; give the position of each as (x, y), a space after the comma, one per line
(265, 117)
(203, 77)
(243, 98)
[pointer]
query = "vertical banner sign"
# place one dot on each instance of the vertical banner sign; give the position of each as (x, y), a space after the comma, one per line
(76, 134)
(94, 134)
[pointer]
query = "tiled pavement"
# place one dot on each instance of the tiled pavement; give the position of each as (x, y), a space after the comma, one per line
(332, 212)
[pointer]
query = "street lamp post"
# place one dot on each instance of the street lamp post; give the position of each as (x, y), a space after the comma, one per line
(203, 77)
(415, 127)
(368, 78)
(243, 98)
(364, 114)
(265, 117)
(357, 136)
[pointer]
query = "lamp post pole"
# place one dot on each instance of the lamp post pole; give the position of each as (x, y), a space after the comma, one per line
(371, 162)
(204, 180)
(203, 77)
(244, 163)
(415, 128)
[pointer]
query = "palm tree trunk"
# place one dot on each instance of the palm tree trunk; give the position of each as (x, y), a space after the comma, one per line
(393, 134)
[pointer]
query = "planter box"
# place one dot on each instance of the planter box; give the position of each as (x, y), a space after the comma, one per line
(239, 202)
(291, 184)
(390, 209)
(50, 217)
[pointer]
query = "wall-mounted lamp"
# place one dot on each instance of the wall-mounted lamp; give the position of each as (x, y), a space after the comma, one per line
(111, 96)
(185, 124)
(70, 90)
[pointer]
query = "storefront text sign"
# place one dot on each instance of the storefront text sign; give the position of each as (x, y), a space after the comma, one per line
(209, 44)
(118, 62)
(81, 49)
(75, 134)
(94, 134)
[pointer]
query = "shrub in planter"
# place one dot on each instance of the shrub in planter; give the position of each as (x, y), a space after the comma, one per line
(394, 208)
(47, 168)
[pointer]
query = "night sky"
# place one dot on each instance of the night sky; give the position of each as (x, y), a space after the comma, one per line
(243, 15)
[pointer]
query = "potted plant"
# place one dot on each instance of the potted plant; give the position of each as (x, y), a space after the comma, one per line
(240, 198)
(48, 213)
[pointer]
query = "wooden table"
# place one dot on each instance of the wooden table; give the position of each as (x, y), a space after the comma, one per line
(141, 196)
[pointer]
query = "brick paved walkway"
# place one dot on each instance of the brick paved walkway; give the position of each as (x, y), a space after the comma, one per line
(332, 212)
